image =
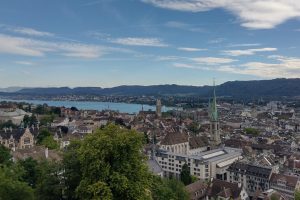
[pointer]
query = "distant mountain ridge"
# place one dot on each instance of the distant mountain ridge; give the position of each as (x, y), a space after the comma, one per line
(275, 87)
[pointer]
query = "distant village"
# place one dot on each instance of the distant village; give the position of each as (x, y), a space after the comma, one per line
(235, 151)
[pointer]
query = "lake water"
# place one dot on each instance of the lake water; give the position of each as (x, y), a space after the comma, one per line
(91, 105)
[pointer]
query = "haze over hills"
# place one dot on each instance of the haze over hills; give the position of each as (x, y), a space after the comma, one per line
(275, 87)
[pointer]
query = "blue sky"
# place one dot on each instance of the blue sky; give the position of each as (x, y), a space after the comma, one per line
(107, 43)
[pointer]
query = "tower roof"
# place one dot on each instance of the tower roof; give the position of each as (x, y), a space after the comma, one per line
(213, 106)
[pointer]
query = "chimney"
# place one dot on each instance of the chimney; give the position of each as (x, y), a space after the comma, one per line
(239, 184)
(10, 128)
(5, 129)
(46, 153)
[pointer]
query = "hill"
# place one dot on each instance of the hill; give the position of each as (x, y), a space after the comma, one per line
(275, 87)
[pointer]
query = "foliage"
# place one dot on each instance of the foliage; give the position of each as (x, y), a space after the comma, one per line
(7, 124)
(297, 195)
(49, 185)
(109, 159)
(50, 143)
(72, 169)
(5, 156)
(47, 119)
(29, 120)
(74, 109)
(194, 127)
(11, 188)
(30, 174)
(185, 176)
(162, 189)
(251, 131)
(42, 135)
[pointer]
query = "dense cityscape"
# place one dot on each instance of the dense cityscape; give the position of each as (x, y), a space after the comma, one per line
(222, 150)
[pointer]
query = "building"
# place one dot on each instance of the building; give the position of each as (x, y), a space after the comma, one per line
(18, 138)
(158, 108)
(252, 177)
(214, 121)
(285, 184)
(197, 190)
(223, 190)
(205, 165)
(14, 114)
(183, 143)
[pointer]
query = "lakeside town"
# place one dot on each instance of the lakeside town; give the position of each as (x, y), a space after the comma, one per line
(230, 151)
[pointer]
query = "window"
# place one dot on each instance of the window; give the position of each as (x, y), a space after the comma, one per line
(27, 140)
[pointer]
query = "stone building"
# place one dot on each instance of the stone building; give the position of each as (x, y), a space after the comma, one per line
(22, 138)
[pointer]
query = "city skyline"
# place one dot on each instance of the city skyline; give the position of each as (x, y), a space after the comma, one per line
(108, 43)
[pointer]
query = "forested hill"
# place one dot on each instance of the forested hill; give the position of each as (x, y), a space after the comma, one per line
(275, 87)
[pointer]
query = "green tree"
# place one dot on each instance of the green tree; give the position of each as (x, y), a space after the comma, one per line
(297, 195)
(72, 169)
(162, 189)
(10, 186)
(5, 156)
(49, 185)
(44, 133)
(185, 175)
(7, 124)
(251, 131)
(30, 171)
(111, 159)
(50, 143)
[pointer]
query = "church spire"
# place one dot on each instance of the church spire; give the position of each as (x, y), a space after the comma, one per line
(213, 106)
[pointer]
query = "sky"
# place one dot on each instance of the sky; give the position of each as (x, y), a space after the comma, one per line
(106, 43)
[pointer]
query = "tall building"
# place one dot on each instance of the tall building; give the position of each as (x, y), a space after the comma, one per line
(214, 120)
(158, 108)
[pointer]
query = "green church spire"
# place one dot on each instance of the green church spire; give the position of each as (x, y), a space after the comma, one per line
(213, 106)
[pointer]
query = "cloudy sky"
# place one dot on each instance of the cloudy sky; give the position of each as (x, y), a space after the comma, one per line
(115, 42)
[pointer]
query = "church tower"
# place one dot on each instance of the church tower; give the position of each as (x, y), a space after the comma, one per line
(214, 120)
(158, 108)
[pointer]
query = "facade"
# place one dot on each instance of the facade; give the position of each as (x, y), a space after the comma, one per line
(253, 178)
(285, 184)
(158, 108)
(205, 165)
(18, 138)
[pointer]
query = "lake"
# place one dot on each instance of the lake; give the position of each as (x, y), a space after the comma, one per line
(91, 105)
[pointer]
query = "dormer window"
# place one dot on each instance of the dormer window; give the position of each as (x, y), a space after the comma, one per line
(27, 140)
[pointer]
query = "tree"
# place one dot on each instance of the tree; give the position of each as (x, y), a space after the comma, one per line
(168, 189)
(5, 156)
(42, 135)
(72, 169)
(251, 131)
(10, 186)
(112, 161)
(49, 186)
(50, 143)
(185, 176)
(297, 195)
(30, 175)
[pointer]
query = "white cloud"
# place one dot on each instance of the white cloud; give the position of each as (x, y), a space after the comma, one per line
(26, 31)
(281, 67)
(213, 60)
(133, 41)
(24, 63)
(190, 49)
(244, 45)
(32, 47)
(184, 26)
(253, 14)
(248, 51)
